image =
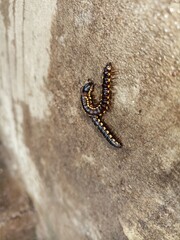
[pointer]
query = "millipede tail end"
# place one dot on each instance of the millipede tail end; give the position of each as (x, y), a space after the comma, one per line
(106, 132)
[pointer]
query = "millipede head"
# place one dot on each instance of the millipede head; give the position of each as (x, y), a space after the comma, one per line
(88, 86)
(109, 66)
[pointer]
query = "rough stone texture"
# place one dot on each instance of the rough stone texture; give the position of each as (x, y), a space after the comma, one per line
(81, 187)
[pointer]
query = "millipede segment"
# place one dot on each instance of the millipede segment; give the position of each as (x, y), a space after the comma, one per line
(87, 90)
(106, 132)
(87, 100)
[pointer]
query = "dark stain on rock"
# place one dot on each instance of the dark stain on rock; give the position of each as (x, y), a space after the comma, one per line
(4, 9)
(17, 216)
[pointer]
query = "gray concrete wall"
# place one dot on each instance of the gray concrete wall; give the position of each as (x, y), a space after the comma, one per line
(81, 187)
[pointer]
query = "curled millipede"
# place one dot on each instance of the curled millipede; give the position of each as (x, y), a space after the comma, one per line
(87, 90)
(96, 112)
(106, 132)
(86, 100)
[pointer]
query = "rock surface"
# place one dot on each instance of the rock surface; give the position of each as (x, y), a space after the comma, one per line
(81, 187)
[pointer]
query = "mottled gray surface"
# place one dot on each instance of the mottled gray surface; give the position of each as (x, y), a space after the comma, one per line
(82, 187)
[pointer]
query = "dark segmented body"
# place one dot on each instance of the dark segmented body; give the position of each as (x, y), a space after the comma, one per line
(106, 132)
(95, 112)
(107, 77)
(86, 94)
(86, 100)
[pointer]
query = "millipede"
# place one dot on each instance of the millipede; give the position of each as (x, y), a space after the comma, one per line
(95, 112)
(87, 90)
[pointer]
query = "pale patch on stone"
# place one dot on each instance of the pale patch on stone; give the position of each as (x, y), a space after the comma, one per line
(61, 40)
(84, 17)
(86, 228)
(88, 158)
(14, 141)
(72, 112)
(168, 158)
(127, 96)
(72, 214)
(24, 76)
(25, 59)
(130, 231)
